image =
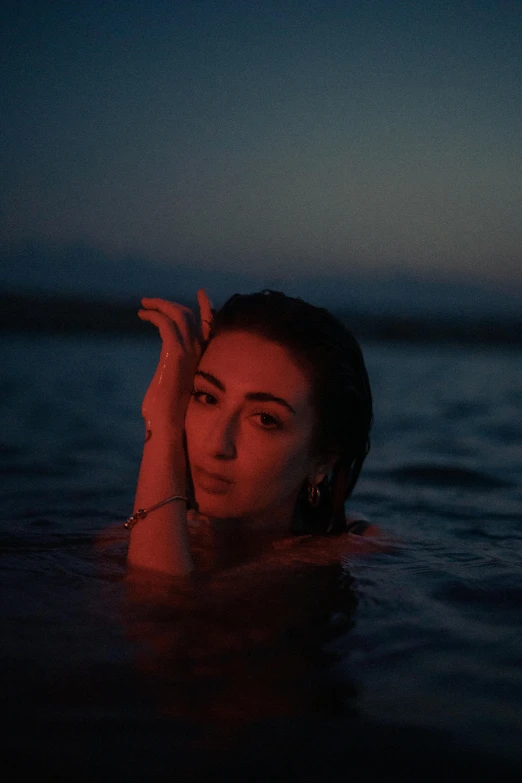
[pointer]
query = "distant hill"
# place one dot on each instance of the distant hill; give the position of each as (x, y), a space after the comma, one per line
(46, 313)
(84, 273)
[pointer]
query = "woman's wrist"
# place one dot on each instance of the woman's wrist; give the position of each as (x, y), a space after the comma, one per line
(164, 436)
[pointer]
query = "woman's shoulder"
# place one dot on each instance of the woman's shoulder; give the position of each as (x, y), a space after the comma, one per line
(360, 537)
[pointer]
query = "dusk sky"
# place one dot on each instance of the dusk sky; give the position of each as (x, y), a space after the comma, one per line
(280, 138)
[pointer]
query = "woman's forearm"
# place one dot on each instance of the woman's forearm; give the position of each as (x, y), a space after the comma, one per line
(160, 541)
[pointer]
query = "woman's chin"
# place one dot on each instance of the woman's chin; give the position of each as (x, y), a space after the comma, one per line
(213, 505)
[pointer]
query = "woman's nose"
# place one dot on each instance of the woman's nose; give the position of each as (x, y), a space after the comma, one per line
(222, 438)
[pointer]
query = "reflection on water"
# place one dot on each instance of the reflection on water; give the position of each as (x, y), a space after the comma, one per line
(290, 668)
(245, 645)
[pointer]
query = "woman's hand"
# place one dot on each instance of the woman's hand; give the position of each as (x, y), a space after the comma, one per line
(183, 338)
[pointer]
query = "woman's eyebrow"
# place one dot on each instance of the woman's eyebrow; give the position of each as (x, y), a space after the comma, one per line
(255, 396)
(211, 379)
(267, 397)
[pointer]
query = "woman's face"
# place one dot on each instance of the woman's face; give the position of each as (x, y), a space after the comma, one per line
(249, 428)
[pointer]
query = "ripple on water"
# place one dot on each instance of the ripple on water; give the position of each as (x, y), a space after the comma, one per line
(435, 638)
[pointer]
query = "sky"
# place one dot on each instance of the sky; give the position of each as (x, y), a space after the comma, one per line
(267, 141)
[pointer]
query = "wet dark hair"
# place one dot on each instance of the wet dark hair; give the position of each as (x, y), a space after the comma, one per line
(333, 361)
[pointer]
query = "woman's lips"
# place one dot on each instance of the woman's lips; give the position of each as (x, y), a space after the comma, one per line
(211, 482)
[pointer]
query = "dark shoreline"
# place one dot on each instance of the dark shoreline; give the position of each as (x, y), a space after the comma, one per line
(68, 314)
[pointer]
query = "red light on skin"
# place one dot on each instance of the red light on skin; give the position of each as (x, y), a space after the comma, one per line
(249, 422)
(210, 482)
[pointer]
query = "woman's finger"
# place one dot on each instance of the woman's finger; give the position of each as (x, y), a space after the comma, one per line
(182, 316)
(205, 309)
(163, 305)
(168, 329)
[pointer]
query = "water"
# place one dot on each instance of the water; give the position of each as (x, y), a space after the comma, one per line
(407, 662)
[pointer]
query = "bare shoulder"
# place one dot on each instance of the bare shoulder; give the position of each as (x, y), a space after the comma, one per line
(326, 550)
(361, 537)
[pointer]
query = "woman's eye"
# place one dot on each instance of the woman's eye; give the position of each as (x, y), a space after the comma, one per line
(204, 397)
(269, 422)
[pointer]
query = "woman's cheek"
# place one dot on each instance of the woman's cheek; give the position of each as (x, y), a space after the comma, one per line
(196, 424)
(277, 461)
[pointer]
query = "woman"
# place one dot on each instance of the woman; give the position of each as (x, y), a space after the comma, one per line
(258, 417)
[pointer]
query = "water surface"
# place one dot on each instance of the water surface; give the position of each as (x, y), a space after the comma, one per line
(406, 660)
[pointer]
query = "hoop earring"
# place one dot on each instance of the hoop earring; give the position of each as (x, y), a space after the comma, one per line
(314, 495)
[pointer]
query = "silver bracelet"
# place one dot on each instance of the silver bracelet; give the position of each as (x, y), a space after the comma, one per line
(141, 513)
